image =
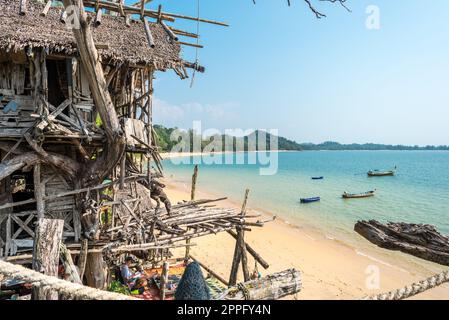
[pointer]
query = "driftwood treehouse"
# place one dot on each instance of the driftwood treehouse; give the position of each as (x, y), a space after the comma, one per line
(77, 147)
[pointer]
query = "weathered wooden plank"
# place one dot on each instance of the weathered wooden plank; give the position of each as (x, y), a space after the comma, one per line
(69, 266)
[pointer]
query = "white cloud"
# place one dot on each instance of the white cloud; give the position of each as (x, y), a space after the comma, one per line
(182, 115)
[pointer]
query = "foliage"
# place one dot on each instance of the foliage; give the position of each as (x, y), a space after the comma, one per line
(116, 286)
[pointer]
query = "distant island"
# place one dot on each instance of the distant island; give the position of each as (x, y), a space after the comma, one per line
(165, 144)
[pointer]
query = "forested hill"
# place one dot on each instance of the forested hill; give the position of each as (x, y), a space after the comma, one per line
(331, 145)
(166, 144)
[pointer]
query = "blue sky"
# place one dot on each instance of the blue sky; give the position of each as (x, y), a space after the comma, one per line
(278, 67)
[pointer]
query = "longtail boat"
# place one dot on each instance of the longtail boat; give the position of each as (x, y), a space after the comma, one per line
(308, 200)
(378, 173)
(358, 195)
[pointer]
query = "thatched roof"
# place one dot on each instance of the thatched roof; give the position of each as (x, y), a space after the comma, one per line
(125, 44)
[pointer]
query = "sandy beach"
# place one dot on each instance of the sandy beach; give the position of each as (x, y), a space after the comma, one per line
(330, 269)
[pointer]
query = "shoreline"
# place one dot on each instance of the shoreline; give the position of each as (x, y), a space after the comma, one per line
(330, 268)
(171, 155)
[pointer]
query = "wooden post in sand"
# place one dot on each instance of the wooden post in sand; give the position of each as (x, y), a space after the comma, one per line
(192, 198)
(240, 250)
(194, 177)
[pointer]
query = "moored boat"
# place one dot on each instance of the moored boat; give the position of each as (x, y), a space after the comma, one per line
(318, 178)
(358, 195)
(308, 200)
(377, 173)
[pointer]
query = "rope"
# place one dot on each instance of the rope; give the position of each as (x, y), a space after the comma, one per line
(76, 291)
(197, 42)
(414, 288)
(245, 291)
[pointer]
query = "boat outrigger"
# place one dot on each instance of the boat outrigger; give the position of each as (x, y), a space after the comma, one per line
(358, 195)
(308, 200)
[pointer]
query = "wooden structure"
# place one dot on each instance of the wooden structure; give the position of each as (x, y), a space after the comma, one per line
(76, 141)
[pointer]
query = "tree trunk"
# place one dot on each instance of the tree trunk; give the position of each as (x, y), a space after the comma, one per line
(115, 145)
(96, 274)
(422, 241)
(46, 254)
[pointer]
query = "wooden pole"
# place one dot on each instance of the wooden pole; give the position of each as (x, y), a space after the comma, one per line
(23, 7)
(69, 266)
(39, 191)
(122, 172)
(164, 279)
(47, 241)
(46, 8)
(148, 33)
(251, 251)
(82, 259)
(98, 16)
(194, 178)
(240, 250)
(187, 255)
(210, 271)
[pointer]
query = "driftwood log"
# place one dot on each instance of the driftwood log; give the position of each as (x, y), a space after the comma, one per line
(420, 240)
(271, 287)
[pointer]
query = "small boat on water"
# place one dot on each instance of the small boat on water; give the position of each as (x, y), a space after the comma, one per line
(318, 178)
(358, 195)
(379, 173)
(309, 200)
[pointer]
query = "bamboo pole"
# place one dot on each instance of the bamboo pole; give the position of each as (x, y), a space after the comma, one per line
(46, 8)
(149, 13)
(23, 7)
(164, 279)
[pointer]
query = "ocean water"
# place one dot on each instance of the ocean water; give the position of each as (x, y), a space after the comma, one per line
(418, 193)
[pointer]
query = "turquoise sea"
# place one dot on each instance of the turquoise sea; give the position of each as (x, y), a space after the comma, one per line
(418, 193)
